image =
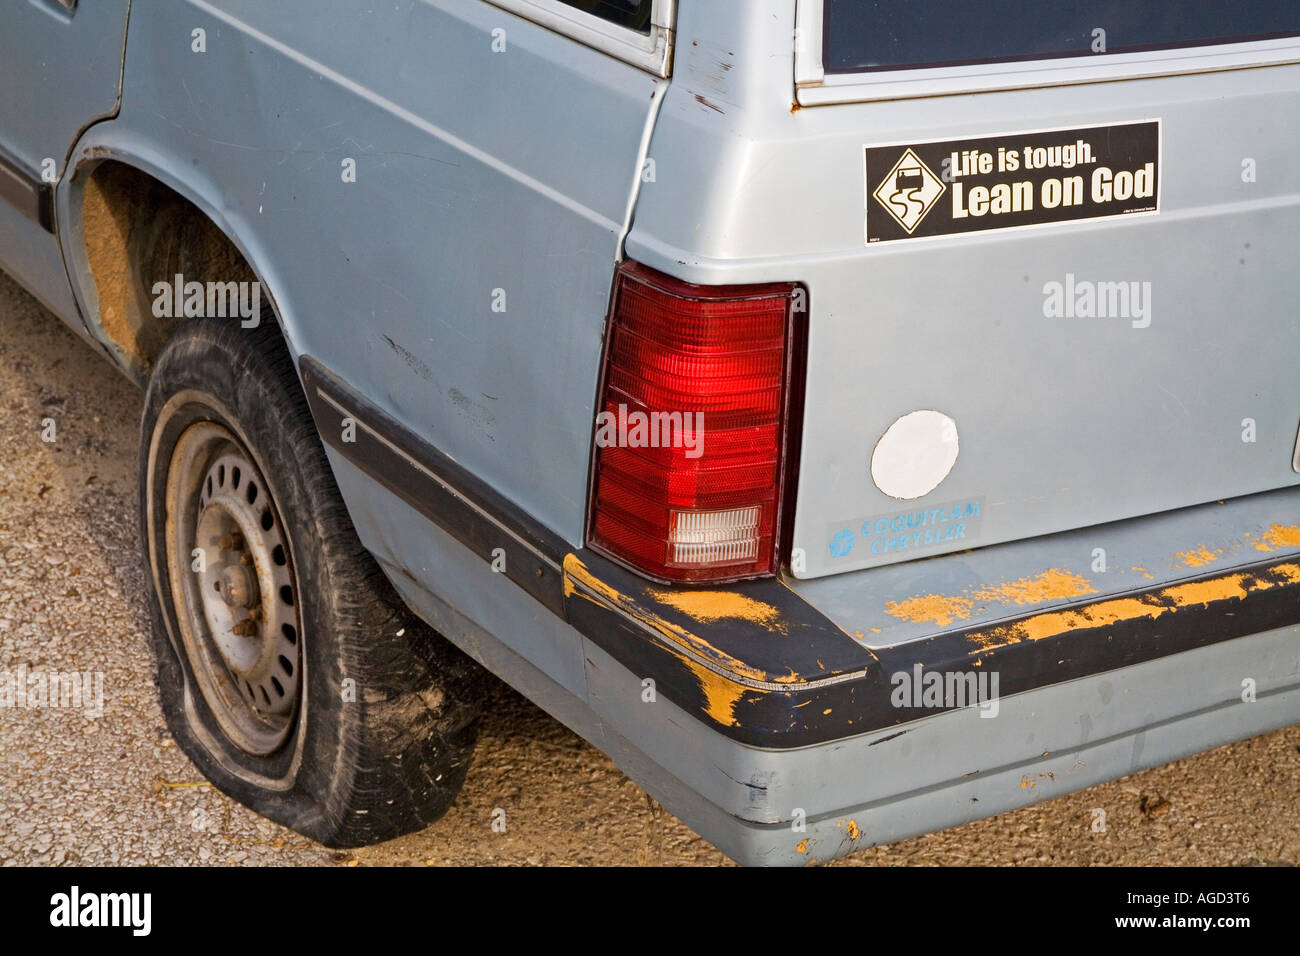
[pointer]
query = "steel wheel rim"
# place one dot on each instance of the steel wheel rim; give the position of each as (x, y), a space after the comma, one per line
(234, 588)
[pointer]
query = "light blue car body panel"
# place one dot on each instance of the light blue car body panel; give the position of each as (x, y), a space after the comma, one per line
(460, 286)
(58, 74)
(461, 202)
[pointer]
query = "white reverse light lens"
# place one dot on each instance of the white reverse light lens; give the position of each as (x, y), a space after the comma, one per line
(701, 538)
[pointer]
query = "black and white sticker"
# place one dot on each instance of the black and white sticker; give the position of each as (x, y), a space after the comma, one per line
(1012, 180)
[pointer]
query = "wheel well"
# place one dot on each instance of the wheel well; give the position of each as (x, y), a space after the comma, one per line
(139, 231)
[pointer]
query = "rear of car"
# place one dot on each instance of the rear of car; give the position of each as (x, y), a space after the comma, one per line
(853, 419)
(995, 314)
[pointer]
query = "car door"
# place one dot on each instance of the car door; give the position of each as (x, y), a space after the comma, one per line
(60, 70)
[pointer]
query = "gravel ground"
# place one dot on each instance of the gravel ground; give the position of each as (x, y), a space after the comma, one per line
(114, 789)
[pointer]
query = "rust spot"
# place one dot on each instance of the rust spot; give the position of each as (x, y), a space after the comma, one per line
(107, 225)
(802, 846)
(1095, 615)
(938, 608)
(1051, 585)
(1216, 589)
(1280, 536)
(699, 98)
(138, 232)
(720, 695)
(1197, 557)
(854, 832)
(710, 606)
(1057, 584)
(1228, 587)
(943, 609)
(575, 571)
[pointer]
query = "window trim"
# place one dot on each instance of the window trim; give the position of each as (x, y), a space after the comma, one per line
(814, 87)
(652, 52)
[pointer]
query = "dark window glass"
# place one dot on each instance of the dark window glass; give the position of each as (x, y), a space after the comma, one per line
(633, 14)
(908, 34)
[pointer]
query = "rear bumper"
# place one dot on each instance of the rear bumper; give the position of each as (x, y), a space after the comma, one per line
(1080, 695)
(750, 713)
(949, 768)
(762, 666)
(802, 805)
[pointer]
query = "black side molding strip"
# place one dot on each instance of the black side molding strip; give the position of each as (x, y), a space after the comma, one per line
(436, 486)
(25, 191)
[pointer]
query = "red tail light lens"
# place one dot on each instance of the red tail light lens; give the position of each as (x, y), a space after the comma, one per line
(691, 427)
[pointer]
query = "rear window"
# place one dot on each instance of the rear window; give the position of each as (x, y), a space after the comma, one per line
(862, 35)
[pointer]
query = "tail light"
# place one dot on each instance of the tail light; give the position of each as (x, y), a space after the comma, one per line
(691, 427)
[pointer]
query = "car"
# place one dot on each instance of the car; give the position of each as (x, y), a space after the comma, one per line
(854, 422)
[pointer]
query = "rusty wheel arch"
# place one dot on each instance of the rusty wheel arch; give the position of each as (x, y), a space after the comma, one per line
(130, 230)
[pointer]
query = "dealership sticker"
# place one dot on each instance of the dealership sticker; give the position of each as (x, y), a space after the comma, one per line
(1012, 181)
(912, 530)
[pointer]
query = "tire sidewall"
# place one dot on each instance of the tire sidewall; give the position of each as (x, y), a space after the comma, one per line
(229, 390)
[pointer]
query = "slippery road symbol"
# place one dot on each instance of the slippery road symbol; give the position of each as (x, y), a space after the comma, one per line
(909, 191)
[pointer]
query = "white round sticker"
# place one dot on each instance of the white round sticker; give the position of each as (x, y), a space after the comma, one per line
(915, 454)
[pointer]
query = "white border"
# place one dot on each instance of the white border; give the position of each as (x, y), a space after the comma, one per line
(652, 52)
(814, 87)
(1160, 182)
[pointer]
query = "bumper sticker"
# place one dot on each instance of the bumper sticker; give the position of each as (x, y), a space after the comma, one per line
(1011, 181)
